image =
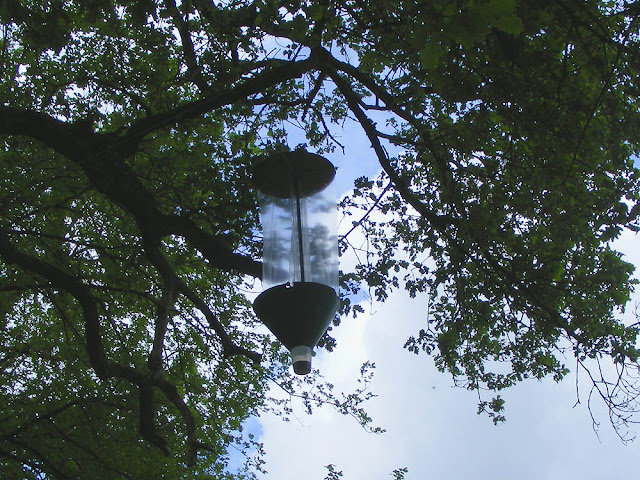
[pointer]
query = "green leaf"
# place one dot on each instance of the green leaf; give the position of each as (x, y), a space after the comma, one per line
(429, 56)
(509, 24)
(315, 11)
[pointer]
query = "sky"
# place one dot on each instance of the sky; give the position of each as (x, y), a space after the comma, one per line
(432, 427)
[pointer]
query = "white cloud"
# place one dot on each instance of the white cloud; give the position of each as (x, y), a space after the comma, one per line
(432, 428)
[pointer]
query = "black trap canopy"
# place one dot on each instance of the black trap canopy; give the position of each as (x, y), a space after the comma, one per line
(299, 265)
(311, 173)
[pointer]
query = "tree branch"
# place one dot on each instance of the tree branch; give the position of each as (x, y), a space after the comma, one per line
(173, 281)
(169, 294)
(75, 287)
(39, 418)
(102, 162)
(424, 131)
(193, 69)
(269, 77)
(103, 367)
(438, 222)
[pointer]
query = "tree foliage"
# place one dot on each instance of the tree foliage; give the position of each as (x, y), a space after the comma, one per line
(129, 233)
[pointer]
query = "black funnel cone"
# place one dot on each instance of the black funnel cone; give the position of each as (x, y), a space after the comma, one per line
(298, 314)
